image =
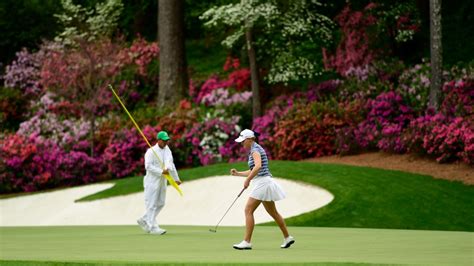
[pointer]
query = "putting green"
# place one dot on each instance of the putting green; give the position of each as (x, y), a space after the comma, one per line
(193, 244)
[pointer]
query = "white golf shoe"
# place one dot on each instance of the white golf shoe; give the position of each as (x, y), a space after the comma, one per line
(243, 245)
(157, 231)
(143, 224)
(287, 242)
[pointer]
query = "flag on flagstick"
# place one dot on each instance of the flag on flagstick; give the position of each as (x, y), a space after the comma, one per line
(167, 176)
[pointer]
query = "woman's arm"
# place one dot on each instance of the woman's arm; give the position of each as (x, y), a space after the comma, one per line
(241, 173)
(257, 159)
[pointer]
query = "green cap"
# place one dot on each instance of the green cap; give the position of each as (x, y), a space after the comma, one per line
(162, 135)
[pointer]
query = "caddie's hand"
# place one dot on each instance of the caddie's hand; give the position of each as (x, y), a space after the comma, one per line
(178, 182)
(165, 171)
(246, 183)
(233, 171)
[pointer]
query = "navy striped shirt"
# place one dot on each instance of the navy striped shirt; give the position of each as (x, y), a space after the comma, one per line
(264, 170)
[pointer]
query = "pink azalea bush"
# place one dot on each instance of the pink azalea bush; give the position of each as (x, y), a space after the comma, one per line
(311, 114)
(376, 106)
(25, 71)
(266, 124)
(124, 154)
(31, 163)
(449, 134)
(238, 79)
(415, 84)
(59, 137)
(300, 122)
(178, 124)
(386, 116)
(280, 106)
(369, 34)
(77, 167)
(393, 126)
(213, 83)
(223, 97)
(458, 97)
(353, 52)
(67, 133)
(447, 139)
(140, 54)
(213, 140)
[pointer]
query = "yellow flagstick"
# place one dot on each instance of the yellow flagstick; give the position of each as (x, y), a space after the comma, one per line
(170, 179)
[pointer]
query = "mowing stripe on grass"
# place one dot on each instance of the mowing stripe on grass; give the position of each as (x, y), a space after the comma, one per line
(188, 244)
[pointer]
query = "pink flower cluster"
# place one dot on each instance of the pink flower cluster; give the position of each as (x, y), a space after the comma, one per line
(140, 53)
(238, 79)
(265, 125)
(414, 84)
(124, 154)
(458, 98)
(387, 116)
(222, 97)
(34, 163)
(24, 73)
(213, 141)
(445, 138)
(353, 51)
(213, 83)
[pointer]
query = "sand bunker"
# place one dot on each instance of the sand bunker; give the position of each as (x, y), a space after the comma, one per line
(204, 202)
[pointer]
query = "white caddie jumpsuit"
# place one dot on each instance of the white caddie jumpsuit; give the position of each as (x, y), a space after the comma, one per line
(155, 183)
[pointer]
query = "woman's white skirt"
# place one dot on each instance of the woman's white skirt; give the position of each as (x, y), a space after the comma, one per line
(265, 188)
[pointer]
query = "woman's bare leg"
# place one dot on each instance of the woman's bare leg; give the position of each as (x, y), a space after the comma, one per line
(271, 209)
(250, 208)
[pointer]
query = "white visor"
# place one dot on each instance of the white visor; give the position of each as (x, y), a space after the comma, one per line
(245, 134)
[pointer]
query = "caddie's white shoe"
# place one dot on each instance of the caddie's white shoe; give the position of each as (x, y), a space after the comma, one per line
(243, 245)
(143, 224)
(157, 231)
(287, 242)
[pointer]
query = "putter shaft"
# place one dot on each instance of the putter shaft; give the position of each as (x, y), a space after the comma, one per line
(215, 229)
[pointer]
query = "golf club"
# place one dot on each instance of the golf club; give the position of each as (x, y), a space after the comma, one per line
(215, 229)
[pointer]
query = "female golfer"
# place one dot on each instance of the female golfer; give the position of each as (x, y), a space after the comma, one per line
(265, 190)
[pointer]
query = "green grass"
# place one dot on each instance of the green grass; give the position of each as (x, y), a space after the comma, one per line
(192, 244)
(364, 197)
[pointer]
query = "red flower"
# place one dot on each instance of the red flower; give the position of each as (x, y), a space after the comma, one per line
(185, 105)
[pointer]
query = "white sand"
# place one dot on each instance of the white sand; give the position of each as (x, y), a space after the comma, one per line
(204, 202)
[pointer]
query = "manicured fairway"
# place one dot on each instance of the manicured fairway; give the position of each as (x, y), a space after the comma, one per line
(191, 245)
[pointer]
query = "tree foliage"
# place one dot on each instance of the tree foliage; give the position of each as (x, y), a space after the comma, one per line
(88, 24)
(24, 23)
(288, 32)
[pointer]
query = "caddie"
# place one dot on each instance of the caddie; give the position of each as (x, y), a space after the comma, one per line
(155, 183)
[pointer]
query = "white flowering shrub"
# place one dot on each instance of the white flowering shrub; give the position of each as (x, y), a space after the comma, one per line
(289, 34)
(89, 24)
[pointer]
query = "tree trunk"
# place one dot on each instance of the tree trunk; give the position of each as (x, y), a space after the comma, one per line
(256, 106)
(436, 53)
(158, 21)
(173, 76)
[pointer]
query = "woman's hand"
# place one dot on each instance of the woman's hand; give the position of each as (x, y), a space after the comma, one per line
(246, 183)
(233, 171)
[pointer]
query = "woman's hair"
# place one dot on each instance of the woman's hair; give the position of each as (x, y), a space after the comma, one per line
(256, 135)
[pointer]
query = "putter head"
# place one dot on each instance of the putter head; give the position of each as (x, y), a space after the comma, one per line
(213, 230)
